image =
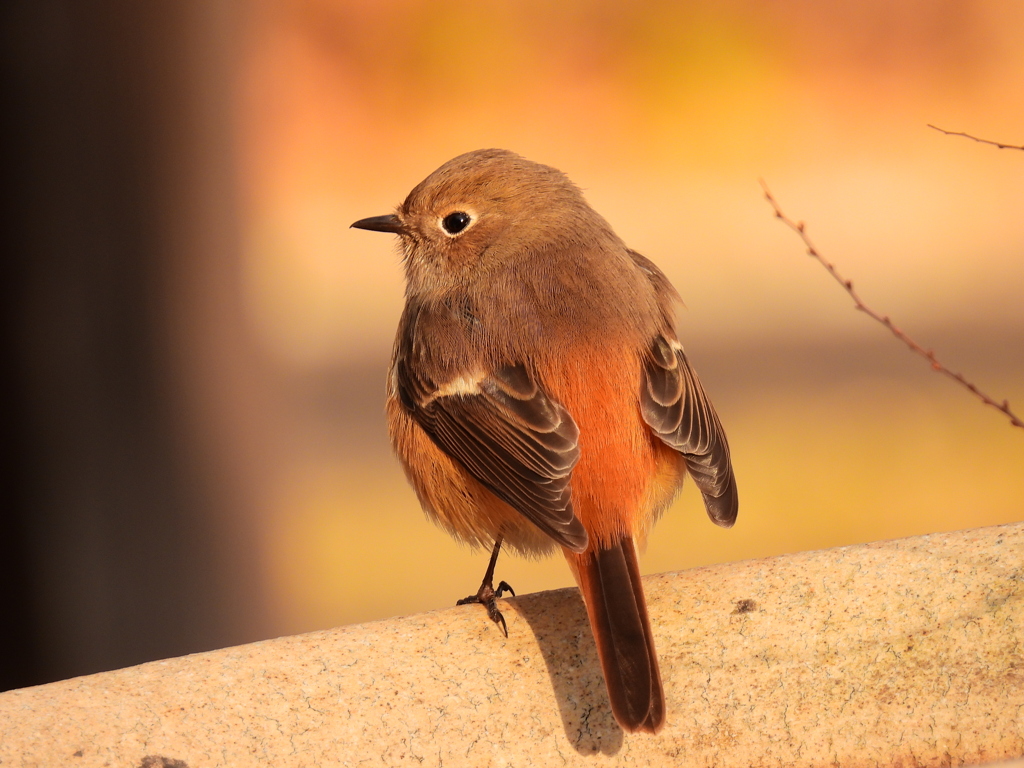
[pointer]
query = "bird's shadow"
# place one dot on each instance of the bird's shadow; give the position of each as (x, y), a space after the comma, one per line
(559, 622)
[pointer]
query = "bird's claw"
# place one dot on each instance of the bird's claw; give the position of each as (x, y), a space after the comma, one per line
(487, 596)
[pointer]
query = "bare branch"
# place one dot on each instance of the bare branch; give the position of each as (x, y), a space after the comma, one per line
(975, 138)
(847, 285)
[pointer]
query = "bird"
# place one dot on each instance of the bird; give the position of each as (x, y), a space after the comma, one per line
(538, 396)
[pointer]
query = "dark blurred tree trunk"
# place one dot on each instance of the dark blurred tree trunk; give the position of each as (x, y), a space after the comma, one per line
(115, 543)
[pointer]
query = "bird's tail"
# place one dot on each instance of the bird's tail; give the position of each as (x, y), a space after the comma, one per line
(610, 582)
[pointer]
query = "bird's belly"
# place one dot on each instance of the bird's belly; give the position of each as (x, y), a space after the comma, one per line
(624, 479)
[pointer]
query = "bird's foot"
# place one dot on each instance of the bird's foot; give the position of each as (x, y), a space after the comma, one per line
(488, 596)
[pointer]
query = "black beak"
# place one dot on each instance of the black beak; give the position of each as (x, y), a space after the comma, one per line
(389, 223)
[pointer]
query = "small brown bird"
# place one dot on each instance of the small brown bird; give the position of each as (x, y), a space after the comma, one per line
(538, 395)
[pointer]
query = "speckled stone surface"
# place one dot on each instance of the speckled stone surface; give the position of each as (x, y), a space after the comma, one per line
(900, 653)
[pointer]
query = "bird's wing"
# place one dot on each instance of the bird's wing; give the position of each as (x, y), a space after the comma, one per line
(509, 435)
(675, 407)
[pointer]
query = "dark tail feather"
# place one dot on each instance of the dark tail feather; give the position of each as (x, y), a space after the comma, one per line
(610, 582)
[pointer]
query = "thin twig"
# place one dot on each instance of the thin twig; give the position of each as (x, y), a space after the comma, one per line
(927, 354)
(975, 138)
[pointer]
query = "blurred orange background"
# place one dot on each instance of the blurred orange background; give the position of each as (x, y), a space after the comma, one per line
(667, 114)
(201, 341)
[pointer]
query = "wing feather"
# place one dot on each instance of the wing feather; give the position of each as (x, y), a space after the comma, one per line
(675, 407)
(510, 436)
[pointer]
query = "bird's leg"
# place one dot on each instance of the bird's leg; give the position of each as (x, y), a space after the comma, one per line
(487, 595)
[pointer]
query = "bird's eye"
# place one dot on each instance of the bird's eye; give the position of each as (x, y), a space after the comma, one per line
(454, 223)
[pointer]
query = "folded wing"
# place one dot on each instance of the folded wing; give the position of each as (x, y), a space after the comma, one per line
(510, 436)
(675, 407)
